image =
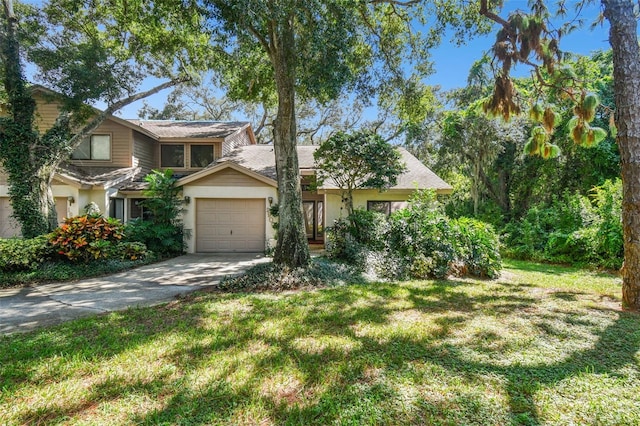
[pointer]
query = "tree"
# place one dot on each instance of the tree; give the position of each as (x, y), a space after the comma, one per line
(362, 160)
(315, 49)
(88, 54)
(203, 101)
(521, 35)
(475, 141)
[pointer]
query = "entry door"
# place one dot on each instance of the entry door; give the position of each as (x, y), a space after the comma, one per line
(313, 219)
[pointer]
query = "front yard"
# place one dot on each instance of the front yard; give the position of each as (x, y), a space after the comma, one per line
(541, 345)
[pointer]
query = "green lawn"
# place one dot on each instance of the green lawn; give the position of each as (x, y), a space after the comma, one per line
(542, 345)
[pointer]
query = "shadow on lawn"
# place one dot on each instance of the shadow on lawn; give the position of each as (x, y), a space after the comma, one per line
(279, 376)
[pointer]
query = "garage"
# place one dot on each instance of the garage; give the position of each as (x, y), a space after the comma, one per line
(9, 226)
(230, 225)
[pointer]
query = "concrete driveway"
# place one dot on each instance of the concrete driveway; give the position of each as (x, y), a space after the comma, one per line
(23, 309)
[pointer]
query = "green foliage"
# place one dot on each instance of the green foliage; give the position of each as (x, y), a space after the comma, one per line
(356, 161)
(417, 242)
(571, 229)
(92, 237)
(24, 254)
(350, 238)
(163, 231)
(478, 247)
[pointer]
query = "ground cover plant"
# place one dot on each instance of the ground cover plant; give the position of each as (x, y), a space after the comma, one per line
(541, 345)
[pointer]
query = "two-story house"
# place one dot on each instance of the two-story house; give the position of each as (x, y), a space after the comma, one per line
(228, 181)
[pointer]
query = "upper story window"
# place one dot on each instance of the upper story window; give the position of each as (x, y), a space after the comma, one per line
(201, 155)
(176, 156)
(172, 156)
(95, 147)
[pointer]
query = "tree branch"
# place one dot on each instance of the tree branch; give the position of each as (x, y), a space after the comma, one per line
(99, 119)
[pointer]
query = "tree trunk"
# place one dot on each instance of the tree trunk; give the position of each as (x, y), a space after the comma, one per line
(292, 248)
(623, 37)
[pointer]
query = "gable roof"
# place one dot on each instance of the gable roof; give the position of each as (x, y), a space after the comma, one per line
(261, 159)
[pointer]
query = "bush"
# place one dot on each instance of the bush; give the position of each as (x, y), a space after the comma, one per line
(417, 242)
(163, 232)
(161, 240)
(93, 237)
(349, 239)
(572, 229)
(24, 254)
(478, 247)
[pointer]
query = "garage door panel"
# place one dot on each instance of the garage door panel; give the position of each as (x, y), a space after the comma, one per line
(230, 225)
(8, 225)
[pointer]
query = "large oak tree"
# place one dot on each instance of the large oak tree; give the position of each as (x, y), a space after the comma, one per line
(316, 49)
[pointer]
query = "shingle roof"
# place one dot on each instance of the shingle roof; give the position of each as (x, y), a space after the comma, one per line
(261, 159)
(101, 176)
(191, 129)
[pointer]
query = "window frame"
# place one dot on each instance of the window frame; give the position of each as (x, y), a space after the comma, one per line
(213, 154)
(371, 202)
(91, 150)
(184, 156)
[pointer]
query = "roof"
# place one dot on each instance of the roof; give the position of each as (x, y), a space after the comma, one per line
(261, 159)
(105, 177)
(191, 129)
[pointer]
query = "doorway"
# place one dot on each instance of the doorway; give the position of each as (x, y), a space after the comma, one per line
(314, 220)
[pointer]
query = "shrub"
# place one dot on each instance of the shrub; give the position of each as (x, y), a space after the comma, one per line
(163, 232)
(478, 247)
(350, 238)
(571, 229)
(24, 254)
(92, 237)
(162, 240)
(425, 238)
(417, 242)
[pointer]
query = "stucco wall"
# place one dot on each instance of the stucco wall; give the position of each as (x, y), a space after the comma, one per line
(334, 208)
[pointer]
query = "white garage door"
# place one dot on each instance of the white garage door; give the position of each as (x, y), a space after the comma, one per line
(8, 225)
(227, 225)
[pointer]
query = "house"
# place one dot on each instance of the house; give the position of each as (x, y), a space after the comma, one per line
(229, 182)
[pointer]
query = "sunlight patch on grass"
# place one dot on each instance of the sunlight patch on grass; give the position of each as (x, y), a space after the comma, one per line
(512, 351)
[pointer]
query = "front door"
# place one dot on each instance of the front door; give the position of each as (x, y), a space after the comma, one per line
(314, 220)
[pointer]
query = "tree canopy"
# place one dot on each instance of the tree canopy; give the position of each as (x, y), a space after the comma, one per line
(361, 160)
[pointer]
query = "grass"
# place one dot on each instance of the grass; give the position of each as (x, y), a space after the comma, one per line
(542, 345)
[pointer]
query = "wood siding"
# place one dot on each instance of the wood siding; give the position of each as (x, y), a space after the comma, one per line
(234, 141)
(228, 177)
(47, 112)
(145, 152)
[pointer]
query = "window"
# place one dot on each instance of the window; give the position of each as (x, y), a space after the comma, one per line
(386, 207)
(201, 155)
(136, 210)
(383, 207)
(116, 208)
(95, 147)
(172, 156)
